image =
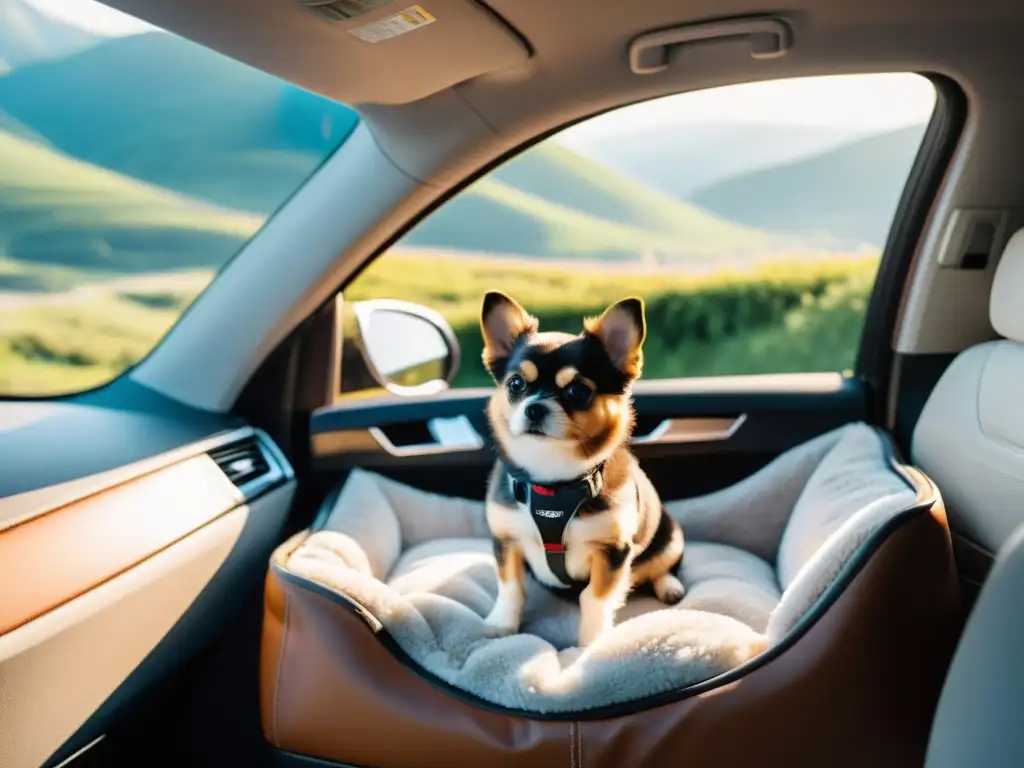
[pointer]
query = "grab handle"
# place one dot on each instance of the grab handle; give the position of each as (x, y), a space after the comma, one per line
(769, 38)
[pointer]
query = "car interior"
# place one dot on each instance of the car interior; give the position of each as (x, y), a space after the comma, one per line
(855, 540)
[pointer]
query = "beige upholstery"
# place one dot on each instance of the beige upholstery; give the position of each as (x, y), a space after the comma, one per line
(980, 718)
(970, 436)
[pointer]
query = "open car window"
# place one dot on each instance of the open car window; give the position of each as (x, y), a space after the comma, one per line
(133, 165)
(751, 218)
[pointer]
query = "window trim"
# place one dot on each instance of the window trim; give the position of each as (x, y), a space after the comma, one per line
(875, 356)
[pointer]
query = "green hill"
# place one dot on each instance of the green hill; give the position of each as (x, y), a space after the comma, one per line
(165, 110)
(551, 201)
(492, 216)
(804, 196)
(11, 126)
(559, 175)
(55, 210)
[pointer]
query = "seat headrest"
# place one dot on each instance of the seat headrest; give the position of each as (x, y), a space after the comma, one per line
(1006, 308)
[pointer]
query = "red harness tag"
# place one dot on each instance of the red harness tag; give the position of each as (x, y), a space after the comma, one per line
(554, 548)
(540, 490)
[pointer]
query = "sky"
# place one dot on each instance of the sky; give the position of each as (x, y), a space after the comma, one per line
(874, 103)
(91, 16)
(871, 102)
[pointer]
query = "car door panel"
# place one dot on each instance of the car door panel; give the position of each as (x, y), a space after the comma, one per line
(71, 659)
(693, 436)
(117, 575)
(134, 521)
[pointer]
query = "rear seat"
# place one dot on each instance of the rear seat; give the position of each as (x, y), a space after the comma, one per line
(971, 437)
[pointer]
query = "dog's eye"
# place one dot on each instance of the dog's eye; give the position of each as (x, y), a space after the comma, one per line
(516, 385)
(578, 395)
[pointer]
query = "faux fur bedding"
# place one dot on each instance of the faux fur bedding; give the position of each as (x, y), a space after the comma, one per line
(758, 555)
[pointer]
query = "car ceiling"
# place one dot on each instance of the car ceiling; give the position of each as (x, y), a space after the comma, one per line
(486, 77)
(502, 45)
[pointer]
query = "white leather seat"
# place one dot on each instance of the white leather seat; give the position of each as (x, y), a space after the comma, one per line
(970, 436)
(970, 440)
(980, 718)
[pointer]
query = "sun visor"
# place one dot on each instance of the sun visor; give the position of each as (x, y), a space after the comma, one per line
(354, 51)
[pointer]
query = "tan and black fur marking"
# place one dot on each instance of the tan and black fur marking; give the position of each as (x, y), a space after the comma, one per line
(622, 537)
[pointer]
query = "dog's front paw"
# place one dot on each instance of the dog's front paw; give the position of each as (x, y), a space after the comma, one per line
(500, 622)
(668, 589)
(592, 629)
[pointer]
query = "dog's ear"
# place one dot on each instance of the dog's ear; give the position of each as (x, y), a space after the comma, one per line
(622, 329)
(502, 321)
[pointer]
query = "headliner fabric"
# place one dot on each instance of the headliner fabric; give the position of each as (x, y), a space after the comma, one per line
(423, 565)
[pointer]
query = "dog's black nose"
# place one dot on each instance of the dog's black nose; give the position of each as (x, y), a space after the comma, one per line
(536, 413)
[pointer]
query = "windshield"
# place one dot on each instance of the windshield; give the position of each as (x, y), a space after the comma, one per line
(133, 165)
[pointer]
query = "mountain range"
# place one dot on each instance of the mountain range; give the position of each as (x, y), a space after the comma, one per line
(848, 194)
(681, 159)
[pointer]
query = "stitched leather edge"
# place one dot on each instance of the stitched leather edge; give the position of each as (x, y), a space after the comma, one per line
(280, 664)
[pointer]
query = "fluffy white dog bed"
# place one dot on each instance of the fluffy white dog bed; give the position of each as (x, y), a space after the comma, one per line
(758, 556)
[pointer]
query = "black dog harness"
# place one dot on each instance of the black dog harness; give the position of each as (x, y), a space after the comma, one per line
(553, 507)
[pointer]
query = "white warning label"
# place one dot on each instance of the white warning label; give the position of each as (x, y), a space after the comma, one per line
(411, 18)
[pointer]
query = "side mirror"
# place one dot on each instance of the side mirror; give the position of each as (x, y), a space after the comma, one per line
(408, 349)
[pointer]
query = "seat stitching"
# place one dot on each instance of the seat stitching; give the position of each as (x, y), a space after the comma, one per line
(995, 440)
(572, 744)
(280, 663)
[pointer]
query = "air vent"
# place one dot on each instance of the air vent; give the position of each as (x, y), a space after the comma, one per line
(243, 462)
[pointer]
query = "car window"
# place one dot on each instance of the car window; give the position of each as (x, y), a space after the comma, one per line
(749, 217)
(133, 165)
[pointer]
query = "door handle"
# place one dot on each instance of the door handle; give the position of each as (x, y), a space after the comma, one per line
(769, 38)
(692, 430)
(452, 435)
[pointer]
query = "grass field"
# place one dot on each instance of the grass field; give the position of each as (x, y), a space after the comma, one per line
(69, 342)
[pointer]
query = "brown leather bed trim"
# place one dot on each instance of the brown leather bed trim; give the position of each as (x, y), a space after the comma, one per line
(316, 653)
(49, 560)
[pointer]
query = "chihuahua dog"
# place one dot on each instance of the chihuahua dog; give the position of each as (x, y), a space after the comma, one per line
(566, 499)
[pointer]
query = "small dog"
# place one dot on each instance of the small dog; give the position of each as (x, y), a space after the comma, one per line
(566, 498)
